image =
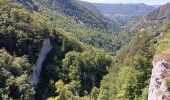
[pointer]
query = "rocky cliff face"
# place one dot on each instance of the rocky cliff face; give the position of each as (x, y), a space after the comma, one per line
(38, 67)
(158, 89)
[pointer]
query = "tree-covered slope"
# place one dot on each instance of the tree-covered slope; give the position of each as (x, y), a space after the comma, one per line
(129, 78)
(91, 7)
(130, 75)
(73, 69)
(148, 21)
(78, 66)
(82, 23)
(73, 8)
(21, 34)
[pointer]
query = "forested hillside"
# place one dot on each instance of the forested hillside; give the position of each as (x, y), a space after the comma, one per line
(67, 50)
(132, 69)
(148, 21)
(129, 78)
(71, 69)
(81, 22)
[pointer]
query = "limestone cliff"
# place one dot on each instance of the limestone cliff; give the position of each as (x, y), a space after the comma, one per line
(158, 89)
(38, 67)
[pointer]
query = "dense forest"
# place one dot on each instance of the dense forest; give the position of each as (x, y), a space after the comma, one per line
(88, 59)
(71, 62)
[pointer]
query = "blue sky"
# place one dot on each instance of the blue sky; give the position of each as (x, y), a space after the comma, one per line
(150, 2)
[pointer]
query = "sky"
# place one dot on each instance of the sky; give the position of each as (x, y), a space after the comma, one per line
(150, 2)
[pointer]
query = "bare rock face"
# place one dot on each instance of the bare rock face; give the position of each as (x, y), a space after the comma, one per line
(34, 78)
(158, 89)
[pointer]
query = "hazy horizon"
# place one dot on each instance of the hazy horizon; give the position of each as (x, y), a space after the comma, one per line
(148, 2)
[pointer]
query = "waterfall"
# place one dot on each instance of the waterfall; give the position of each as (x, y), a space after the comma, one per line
(46, 47)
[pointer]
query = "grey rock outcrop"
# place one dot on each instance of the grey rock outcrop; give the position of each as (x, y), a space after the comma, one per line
(34, 78)
(158, 89)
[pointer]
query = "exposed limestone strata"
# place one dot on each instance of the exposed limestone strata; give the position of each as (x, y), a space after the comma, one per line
(38, 67)
(158, 89)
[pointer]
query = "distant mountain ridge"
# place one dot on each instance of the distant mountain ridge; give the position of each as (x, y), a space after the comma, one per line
(161, 13)
(124, 12)
(151, 19)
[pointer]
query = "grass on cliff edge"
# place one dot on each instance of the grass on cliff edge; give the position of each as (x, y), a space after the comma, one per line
(164, 43)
